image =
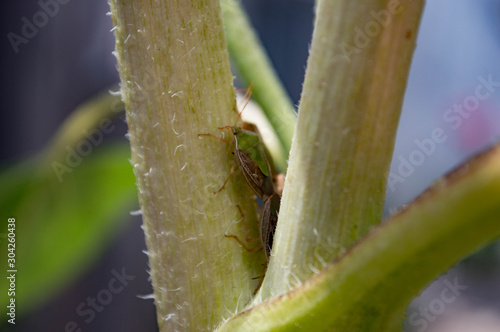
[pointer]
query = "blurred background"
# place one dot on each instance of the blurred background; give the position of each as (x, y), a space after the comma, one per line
(68, 60)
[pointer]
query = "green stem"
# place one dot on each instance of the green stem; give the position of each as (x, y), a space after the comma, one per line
(349, 111)
(369, 288)
(176, 83)
(254, 66)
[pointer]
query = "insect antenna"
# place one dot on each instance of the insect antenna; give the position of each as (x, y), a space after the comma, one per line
(247, 97)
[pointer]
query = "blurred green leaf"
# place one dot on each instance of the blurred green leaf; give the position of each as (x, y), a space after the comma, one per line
(67, 201)
(62, 223)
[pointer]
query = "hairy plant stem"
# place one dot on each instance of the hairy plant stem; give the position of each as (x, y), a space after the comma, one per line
(348, 115)
(370, 286)
(176, 83)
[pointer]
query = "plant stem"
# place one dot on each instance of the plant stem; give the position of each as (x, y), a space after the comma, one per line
(254, 66)
(369, 288)
(348, 115)
(176, 83)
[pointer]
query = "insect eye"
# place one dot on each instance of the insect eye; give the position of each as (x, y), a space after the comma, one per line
(235, 133)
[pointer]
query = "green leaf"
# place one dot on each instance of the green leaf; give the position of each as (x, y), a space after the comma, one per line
(61, 226)
(65, 202)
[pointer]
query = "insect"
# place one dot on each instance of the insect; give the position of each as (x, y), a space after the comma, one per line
(251, 157)
(252, 160)
(268, 221)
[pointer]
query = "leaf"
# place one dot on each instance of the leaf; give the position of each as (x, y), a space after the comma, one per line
(61, 226)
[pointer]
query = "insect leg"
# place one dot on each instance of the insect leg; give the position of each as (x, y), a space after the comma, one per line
(216, 137)
(248, 240)
(225, 182)
(242, 244)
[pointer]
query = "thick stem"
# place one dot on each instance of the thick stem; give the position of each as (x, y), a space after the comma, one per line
(353, 92)
(369, 287)
(176, 83)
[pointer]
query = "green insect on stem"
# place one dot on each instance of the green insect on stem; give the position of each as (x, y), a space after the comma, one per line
(268, 221)
(250, 143)
(251, 158)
